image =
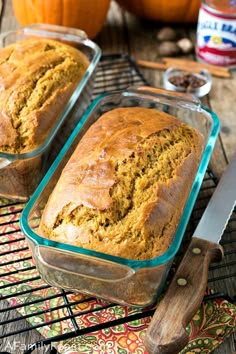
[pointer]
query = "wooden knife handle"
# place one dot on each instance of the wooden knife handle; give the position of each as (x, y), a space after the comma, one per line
(167, 333)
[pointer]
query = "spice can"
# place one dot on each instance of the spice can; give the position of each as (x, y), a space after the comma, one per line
(216, 33)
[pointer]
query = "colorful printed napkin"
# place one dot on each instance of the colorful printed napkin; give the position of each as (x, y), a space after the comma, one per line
(211, 325)
(41, 305)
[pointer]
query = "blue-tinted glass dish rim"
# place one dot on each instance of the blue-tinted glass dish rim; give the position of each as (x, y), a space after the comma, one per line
(134, 264)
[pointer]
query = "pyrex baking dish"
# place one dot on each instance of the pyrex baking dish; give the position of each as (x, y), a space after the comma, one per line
(21, 173)
(121, 280)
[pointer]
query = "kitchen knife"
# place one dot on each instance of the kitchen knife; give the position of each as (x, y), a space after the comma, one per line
(167, 333)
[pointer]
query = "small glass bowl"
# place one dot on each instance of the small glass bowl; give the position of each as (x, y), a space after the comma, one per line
(199, 91)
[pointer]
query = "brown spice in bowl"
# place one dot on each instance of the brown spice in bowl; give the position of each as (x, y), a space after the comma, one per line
(187, 81)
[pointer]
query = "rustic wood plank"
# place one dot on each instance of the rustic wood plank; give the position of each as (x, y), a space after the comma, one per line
(221, 104)
(143, 45)
(222, 100)
(1, 7)
(19, 342)
(8, 20)
(112, 38)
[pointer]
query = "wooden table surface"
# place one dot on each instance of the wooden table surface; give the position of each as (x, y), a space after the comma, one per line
(123, 33)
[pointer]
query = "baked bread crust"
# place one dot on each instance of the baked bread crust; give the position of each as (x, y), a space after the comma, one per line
(37, 78)
(124, 188)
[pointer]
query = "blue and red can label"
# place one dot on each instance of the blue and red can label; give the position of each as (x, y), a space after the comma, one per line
(216, 38)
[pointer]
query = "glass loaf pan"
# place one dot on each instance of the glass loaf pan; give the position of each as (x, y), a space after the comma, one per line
(121, 280)
(21, 173)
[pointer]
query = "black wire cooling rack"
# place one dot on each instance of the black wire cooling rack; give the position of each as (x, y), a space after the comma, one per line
(115, 72)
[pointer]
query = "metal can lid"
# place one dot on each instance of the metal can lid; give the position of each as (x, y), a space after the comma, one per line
(221, 7)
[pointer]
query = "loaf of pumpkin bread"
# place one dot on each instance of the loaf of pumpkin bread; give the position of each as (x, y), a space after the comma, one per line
(125, 186)
(37, 78)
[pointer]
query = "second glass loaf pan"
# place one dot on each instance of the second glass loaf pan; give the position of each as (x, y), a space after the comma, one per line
(122, 280)
(20, 173)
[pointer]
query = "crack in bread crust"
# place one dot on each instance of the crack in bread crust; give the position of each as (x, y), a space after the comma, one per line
(150, 187)
(37, 78)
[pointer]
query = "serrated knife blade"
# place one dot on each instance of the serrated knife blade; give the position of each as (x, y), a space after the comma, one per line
(167, 330)
(220, 207)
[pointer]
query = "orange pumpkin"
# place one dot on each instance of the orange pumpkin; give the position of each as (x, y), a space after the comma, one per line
(88, 15)
(172, 11)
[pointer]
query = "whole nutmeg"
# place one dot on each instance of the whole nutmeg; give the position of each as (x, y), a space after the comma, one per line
(185, 45)
(167, 34)
(168, 49)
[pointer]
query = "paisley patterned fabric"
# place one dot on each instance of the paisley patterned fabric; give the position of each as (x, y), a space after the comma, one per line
(45, 307)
